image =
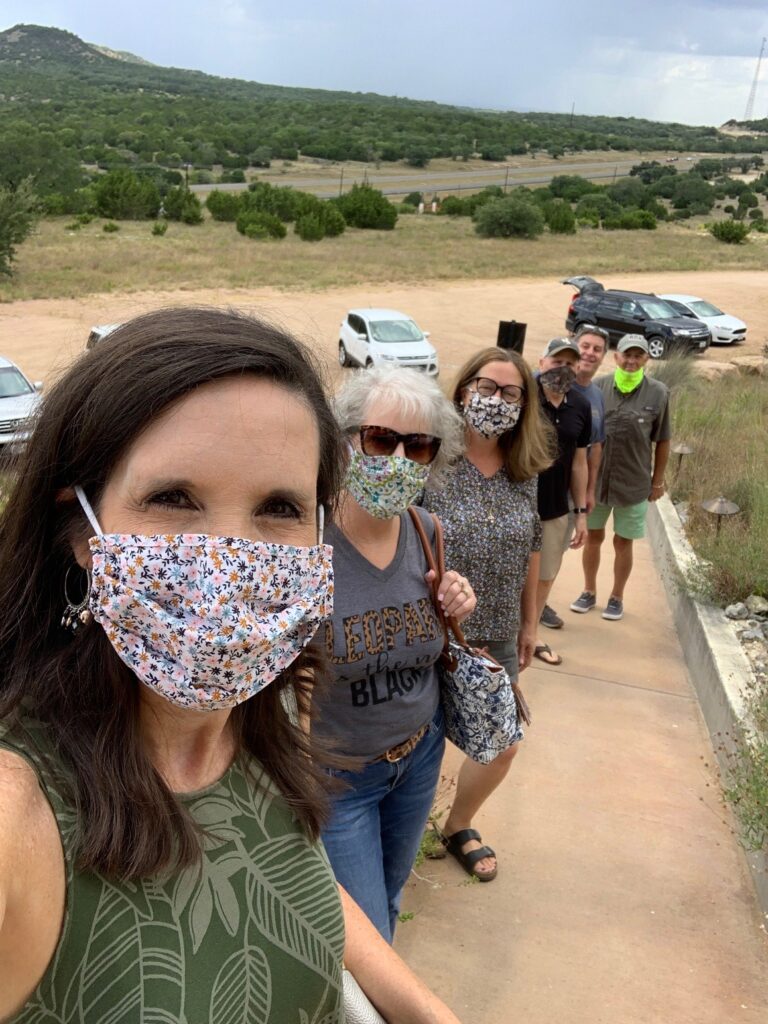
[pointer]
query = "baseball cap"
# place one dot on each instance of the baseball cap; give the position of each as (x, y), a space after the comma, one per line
(558, 345)
(632, 341)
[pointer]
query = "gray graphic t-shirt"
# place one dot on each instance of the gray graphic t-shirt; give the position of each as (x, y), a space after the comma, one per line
(383, 642)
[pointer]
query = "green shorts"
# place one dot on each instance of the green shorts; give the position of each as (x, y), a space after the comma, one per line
(628, 520)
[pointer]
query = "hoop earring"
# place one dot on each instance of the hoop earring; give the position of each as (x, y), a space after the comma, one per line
(76, 615)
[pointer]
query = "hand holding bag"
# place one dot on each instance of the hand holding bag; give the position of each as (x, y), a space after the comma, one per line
(480, 702)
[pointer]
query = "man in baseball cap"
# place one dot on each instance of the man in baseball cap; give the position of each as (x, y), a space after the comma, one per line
(570, 414)
(635, 454)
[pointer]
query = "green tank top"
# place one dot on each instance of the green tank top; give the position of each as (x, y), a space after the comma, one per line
(254, 934)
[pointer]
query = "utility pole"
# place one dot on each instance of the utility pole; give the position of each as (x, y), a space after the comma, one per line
(341, 182)
(506, 179)
(753, 91)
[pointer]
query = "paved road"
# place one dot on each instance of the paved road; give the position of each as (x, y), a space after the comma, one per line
(622, 895)
(420, 181)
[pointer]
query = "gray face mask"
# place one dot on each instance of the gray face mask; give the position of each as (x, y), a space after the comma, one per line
(558, 380)
(490, 415)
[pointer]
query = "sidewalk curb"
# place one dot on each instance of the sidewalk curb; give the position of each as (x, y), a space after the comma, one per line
(717, 665)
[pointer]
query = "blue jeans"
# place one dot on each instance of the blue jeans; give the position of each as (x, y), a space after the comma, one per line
(376, 826)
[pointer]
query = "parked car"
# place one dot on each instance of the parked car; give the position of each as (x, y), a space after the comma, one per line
(725, 329)
(624, 312)
(19, 399)
(99, 334)
(379, 337)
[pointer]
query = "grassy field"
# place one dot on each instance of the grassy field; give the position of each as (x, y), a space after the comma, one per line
(57, 263)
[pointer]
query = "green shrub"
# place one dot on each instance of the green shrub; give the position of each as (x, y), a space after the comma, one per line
(453, 206)
(761, 226)
(84, 218)
(223, 206)
(730, 208)
(110, 227)
(309, 227)
(631, 220)
(259, 224)
(73, 225)
(332, 220)
(599, 202)
(474, 202)
(509, 218)
(123, 195)
(570, 187)
(681, 215)
(730, 231)
(748, 200)
(366, 207)
(406, 208)
(181, 204)
(589, 218)
(756, 215)
(414, 198)
(159, 227)
(559, 217)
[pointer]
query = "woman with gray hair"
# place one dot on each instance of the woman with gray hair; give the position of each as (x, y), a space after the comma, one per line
(385, 638)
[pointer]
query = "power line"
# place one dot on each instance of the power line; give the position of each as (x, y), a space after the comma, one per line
(753, 91)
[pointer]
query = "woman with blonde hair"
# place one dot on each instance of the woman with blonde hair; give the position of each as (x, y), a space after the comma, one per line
(488, 509)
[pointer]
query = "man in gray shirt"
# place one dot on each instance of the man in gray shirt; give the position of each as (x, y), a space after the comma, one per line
(637, 439)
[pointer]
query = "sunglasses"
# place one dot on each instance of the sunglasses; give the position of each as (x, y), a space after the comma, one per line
(382, 441)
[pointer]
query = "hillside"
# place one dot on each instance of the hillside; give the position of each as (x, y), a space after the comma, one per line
(65, 103)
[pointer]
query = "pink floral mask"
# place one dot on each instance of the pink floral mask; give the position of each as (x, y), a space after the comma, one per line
(204, 621)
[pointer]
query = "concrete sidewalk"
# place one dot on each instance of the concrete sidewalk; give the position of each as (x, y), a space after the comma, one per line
(622, 895)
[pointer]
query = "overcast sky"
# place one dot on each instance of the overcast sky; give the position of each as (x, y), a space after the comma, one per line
(667, 60)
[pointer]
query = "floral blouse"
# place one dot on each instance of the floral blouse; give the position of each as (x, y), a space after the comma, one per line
(491, 527)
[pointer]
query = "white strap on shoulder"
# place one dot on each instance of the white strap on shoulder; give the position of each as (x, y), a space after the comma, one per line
(320, 523)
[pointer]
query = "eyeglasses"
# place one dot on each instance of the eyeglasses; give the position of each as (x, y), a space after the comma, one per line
(511, 393)
(420, 448)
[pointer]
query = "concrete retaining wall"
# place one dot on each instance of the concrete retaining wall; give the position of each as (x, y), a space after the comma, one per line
(717, 665)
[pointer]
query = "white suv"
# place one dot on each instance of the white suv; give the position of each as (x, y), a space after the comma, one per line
(379, 337)
(19, 399)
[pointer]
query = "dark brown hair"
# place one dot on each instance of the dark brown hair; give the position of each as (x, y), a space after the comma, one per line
(131, 824)
(530, 447)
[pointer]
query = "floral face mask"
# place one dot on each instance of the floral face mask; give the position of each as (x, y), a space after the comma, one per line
(385, 485)
(204, 621)
(490, 415)
(559, 379)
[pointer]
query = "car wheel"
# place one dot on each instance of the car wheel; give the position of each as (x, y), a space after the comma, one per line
(343, 357)
(657, 347)
(368, 364)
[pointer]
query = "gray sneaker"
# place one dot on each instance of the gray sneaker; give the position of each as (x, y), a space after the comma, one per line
(550, 618)
(585, 603)
(614, 609)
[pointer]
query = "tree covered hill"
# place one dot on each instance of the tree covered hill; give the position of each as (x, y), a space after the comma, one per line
(65, 103)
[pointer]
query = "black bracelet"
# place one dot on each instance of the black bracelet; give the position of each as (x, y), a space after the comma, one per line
(580, 511)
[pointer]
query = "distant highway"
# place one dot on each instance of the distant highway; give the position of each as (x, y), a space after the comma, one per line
(433, 181)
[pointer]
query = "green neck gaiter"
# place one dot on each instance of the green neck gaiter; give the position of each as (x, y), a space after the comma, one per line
(627, 382)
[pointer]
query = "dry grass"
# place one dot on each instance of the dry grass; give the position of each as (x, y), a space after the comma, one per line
(56, 263)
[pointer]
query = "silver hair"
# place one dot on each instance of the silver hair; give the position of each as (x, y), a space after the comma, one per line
(411, 393)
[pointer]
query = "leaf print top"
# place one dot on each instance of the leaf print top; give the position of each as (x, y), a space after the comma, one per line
(254, 934)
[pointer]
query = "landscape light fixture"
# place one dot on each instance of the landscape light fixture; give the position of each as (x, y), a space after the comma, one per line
(681, 450)
(720, 507)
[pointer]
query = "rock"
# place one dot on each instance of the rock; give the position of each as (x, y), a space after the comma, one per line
(751, 634)
(765, 630)
(754, 365)
(737, 611)
(757, 605)
(710, 370)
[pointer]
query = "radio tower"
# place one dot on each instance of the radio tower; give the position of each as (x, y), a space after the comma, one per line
(753, 91)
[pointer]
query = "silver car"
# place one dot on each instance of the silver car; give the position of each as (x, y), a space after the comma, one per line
(19, 399)
(725, 329)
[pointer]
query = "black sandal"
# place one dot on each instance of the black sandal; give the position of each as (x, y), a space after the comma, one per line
(453, 845)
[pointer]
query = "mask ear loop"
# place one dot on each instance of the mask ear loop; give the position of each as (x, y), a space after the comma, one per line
(320, 523)
(86, 506)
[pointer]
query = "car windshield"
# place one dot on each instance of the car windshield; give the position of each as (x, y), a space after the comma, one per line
(13, 383)
(395, 330)
(702, 308)
(657, 309)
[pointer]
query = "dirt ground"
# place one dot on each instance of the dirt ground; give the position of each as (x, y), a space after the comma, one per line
(43, 336)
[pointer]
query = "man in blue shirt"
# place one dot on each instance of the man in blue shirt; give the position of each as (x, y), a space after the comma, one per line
(593, 344)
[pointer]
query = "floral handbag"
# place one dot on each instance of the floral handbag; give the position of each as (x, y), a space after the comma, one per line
(482, 706)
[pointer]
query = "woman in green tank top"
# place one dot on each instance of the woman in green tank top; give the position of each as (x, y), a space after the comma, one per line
(161, 575)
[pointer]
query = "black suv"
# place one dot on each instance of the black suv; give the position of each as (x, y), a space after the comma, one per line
(620, 312)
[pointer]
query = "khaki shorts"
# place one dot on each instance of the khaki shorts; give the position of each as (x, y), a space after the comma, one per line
(555, 534)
